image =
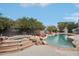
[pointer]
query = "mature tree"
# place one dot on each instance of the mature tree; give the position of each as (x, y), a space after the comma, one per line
(70, 26)
(61, 26)
(5, 23)
(27, 24)
(52, 29)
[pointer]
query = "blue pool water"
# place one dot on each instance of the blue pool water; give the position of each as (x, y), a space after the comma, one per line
(59, 40)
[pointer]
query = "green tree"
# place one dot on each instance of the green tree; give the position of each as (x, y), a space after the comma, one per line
(70, 26)
(28, 25)
(52, 29)
(5, 23)
(61, 26)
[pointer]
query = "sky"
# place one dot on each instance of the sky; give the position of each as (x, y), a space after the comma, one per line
(47, 13)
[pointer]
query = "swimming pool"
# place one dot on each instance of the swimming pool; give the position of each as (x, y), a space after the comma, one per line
(59, 40)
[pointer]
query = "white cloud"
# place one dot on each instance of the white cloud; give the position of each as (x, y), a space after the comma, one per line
(34, 4)
(72, 17)
(69, 17)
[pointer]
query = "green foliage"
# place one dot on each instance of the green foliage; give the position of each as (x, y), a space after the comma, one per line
(70, 26)
(52, 28)
(24, 24)
(61, 26)
(30, 25)
(5, 23)
(27, 24)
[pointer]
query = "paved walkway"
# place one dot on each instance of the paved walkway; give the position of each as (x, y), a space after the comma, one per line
(42, 50)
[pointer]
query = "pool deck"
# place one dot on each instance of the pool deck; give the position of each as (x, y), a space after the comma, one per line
(46, 50)
(43, 50)
(75, 39)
